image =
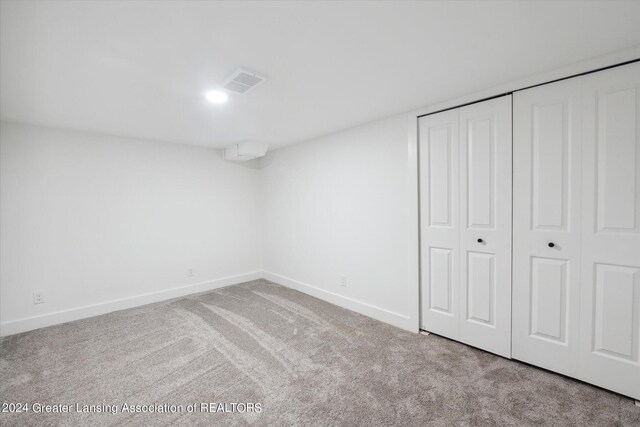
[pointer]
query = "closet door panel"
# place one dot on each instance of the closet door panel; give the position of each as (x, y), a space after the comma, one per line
(485, 212)
(439, 219)
(610, 297)
(548, 299)
(546, 225)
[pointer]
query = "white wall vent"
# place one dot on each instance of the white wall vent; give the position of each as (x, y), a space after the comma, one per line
(243, 80)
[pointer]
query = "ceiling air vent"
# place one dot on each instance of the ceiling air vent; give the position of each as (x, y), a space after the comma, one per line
(242, 81)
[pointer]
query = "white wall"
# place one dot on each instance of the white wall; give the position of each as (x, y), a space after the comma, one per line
(101, 223)
(337, 205)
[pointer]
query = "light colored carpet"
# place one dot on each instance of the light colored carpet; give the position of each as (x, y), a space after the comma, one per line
(305, 361)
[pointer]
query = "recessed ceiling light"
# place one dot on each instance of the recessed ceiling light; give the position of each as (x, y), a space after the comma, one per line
(216, 97)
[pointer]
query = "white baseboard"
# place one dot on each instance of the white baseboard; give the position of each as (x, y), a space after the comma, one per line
(30, 323)
(27, 324)
(381, 314)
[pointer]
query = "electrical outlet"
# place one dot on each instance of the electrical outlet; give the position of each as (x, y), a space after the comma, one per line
(38, 297)
(343, 281)
(191, 272)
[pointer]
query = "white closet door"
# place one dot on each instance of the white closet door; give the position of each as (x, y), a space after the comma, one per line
(546, 212)
(439, 223)
(610, 297)
(485, 220)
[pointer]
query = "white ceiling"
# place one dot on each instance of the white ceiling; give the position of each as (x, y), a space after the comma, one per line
(141, 68)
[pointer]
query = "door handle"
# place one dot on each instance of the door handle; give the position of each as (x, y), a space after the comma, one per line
(551, 244)
(480, 241)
